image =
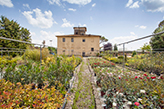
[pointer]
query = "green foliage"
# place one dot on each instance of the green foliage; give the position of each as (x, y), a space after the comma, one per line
(157, 41)
(134, 53)
(115, 47)
(148, 62)
(11, 29)
(121, 57)
(52, 50)
(98, 54)
(103, 39)
(34, 54)
(146, 47)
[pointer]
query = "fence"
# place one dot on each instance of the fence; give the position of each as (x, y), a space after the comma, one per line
(156, 56)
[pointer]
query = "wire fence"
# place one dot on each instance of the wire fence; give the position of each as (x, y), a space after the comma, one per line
(153, 61)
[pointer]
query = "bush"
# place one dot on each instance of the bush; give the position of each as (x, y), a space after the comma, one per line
(34, 54)
(134, 53)
(121, 57)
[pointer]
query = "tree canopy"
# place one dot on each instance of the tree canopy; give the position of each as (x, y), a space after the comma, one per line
(146, 47)
(108, 46)
(103, 39)
(11, 29)
(157, 41)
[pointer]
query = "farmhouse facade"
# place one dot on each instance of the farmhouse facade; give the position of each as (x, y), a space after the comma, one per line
(78, 43)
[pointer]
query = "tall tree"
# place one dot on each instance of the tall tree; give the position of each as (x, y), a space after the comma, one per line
(11, 29)
(115, 47)
(108, 46)
(157, 41)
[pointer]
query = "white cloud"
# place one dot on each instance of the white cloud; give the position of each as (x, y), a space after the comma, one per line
(66, 23)
(7, 3)
(91, 18)
(26, 5)
(121, 39)
(93, 5)
(135, 5)
(32, 33)
(47, 36)
(84, 25)
(154, 5)
(129, 3)
(78, 2)
(137, 26)
(71, 9)
(54, 1)
(55, 22)
(143, 27)
(42, 20)
(132, 33)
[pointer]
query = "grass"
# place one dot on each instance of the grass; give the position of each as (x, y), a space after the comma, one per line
(84, 97)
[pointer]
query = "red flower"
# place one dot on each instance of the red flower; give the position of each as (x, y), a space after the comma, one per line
(148, 78)
(119, 77)
(126, 79)
(162, 77)
(136, 77)
(3, 105)
(141, 78)
(145, 74)
(112, 64)
(153, 77)
(34, 105)
(17, 102)
(137, 104)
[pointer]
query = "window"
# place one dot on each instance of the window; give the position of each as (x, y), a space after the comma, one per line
(72, 40)
(83, 40)
(83, 54)
(63, 39)
(92, 49)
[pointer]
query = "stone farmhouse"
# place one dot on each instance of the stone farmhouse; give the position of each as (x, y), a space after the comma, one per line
(79, 43)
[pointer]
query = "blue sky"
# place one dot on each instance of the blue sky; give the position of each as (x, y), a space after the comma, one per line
(117, 20)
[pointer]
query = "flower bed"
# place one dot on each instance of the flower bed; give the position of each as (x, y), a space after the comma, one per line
(22, 96)
(150, 63)
(133, 89)
(94, 62)
(51, 79)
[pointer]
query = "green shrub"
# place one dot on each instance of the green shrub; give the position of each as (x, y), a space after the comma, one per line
(34, 54)
(134, 53)
(121, 57)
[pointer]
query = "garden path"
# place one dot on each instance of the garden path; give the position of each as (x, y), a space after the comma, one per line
(85, 94)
